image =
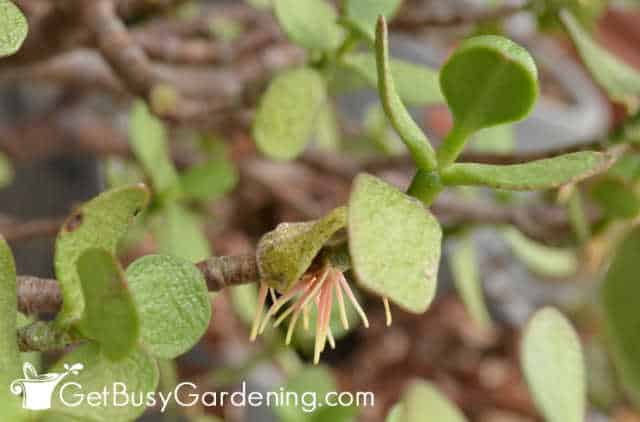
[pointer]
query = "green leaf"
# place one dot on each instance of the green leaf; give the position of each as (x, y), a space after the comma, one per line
(327, 129)
(10, 360)
(421, 150)
(415, 84)
(394, 243)
(363, 14)
(378, 131)
(172, 301)
(99, 223)
(619, 296)
(423, 401)
(311, 24)
(547, 261)
(138, 372)
(620, 80)
(148, 139)
(210, 180)
(181, 233)
(110, 315)
(6, 171)
(287, 112)
(464, 269)
(616, 198)
(488, 80)
(553, 364)
(535, 175)
(285, 253)
(497, 139)
(13, 28)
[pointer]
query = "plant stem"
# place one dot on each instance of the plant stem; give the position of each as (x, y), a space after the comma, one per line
(425, 186)
(452, 146)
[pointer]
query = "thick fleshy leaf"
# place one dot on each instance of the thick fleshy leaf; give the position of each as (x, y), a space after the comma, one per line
(464, 269)
(10, 360)
(285, 253)
(394, 243)
(535, 175)
(148, 139)
(287, 112)
(179, 232)
(138, 372)
(363, 14)
(421, 150)
(422, 401)
(620, 301)
(6, 171)
(553, 365)
(110, 315)
(210, 180)
(547, 261)
(311, 24)
(99, 223)
(172, 301)
(620, 80)
(489, 80)
(13, 28)
(415, 84)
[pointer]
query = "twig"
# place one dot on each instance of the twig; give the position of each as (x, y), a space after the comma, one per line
(13, 230)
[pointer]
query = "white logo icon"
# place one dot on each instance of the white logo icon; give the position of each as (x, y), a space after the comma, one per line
(37, 389)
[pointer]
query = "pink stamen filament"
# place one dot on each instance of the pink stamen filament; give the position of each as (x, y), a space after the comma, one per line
(354, 301)
(279, 303)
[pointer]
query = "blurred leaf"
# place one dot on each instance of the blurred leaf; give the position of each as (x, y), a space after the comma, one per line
(464, 269)
(363, 14)
(534, 175)
(210, 180)
(578, 217)
(487, 81)
(553, 365)
(110, 315)
(137, 371)
(287, 113)
(148, 139)
(541, 259)
(285, 253)
(99, 223)
(327, 130)
(13, 28)
(620, 80)
(6, 171)
(244, 299)
(422, 401)
(394, 243)
(172, 302)
(602, 383)
(497, 139)
(310, 23)
(627, 168)
(415, 139)
(586, 11)
(415, 84)
(377, 129)
(121, 172)
(616, 199)
(10, 360)
(261, 4)
(179, 232)
(619, 295)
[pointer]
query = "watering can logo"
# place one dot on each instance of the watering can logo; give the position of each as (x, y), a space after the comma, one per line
(37, 389)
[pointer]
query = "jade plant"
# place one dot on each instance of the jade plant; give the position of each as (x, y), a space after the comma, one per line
(136, 277)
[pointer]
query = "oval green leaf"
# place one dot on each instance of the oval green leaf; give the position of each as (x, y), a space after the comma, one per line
(394, 243)
(110, 315)
(621, 81)
(210, 180)
(415, 84)
(285, 253)
(172, 301)
(619, 296)
(535, 175)
(489, 80)
(99, 223)
(363, 14)
(311, 24)
(421, 150)
(423, 401)
(138, 373)
(287, 112)
(553, 365)
(13, 28)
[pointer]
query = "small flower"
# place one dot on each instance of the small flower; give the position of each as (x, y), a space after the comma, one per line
(314, 288)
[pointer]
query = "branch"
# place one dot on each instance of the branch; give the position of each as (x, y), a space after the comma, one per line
(13, 230)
